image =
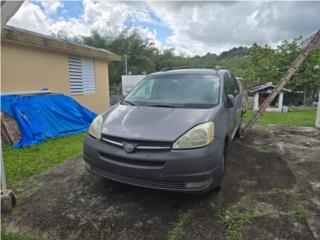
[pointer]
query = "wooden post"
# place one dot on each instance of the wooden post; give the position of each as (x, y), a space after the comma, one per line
(318, 113)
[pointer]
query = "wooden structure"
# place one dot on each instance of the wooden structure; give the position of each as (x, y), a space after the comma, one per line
(318, 113)
(312, 44)
(10, 132)
(262, 91)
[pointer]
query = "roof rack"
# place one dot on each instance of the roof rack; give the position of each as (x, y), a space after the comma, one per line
(189, 67)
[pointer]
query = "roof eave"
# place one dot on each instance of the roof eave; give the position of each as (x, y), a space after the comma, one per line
(29, 39)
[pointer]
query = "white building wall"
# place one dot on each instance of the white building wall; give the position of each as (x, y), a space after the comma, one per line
(280, 101)
(256, 101)
(129, 82)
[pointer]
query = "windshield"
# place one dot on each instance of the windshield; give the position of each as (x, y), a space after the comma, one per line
(185, 91)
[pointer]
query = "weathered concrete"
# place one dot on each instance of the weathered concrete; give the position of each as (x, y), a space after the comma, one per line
(301, 149)
(8, 201)
(267, 179)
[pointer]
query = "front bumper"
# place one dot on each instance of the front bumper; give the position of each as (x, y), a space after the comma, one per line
(159, 169)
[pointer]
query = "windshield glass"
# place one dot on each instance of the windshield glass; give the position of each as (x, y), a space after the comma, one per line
(185, 91)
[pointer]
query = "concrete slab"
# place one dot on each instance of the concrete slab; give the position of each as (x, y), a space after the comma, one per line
(266, 181)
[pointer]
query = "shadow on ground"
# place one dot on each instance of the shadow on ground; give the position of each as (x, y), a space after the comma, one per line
(265, 195)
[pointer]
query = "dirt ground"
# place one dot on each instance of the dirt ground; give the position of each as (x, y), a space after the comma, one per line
(271, 190)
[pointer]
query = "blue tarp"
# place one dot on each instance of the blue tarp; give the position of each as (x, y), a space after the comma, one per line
(46, 116)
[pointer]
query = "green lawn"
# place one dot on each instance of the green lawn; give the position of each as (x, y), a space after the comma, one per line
(306, 117)
(25, 163)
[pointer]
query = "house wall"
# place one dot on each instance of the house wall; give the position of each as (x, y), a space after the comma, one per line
(31, 69)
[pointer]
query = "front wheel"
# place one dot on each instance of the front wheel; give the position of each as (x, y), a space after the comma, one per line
(239, 129)
(217, 180)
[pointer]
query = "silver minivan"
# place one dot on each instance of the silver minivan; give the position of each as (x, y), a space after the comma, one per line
(172, 132)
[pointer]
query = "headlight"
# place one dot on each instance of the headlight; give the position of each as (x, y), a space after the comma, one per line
(199, 136)
(95, 127)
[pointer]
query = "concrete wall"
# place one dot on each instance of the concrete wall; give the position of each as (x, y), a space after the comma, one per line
(31, 69)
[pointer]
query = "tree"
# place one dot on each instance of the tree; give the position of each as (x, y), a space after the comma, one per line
(262, 64)
(254, 64)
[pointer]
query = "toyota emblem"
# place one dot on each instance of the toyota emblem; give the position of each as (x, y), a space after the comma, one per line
(128, 147)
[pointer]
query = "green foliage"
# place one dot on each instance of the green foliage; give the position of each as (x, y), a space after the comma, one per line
(25, 163)
(268, 64)
(235, 221)
(254, 64)
(178, 231)
(144, 57)
(305, 117)
(262, 67)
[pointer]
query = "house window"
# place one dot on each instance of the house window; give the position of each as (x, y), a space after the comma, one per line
(81, 75)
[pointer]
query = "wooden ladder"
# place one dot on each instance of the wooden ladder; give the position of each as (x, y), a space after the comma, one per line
(314, 42)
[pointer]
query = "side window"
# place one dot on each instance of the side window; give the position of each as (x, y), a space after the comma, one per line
(227, 86)
(234, 84)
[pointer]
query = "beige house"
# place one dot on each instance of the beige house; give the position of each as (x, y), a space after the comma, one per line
(32, 61)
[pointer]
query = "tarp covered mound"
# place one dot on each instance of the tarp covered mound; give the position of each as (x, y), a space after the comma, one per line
(46, 116)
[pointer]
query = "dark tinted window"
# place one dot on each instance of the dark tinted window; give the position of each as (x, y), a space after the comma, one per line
(234, 85)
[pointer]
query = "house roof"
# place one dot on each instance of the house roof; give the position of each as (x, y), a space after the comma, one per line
(32, 39)
(259, 88)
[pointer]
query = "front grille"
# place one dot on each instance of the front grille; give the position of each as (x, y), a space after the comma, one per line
(140, 182)
(142, 163)
(141, 144)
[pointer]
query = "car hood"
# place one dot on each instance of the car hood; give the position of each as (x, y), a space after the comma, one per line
(152, 123)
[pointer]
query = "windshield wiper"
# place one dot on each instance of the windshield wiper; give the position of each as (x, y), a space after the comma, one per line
(128, 102)
(164, 105)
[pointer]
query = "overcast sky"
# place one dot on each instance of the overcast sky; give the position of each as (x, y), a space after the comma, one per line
(193, 28)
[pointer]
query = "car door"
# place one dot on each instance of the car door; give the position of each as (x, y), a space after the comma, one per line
(237, 102)
(231, 111)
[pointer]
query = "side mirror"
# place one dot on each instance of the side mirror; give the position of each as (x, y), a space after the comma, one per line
(230, 100)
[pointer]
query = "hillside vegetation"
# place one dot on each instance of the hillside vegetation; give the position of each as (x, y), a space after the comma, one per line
(255, 64)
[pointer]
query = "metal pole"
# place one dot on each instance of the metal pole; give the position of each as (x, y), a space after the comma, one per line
(126, 64)
(2, 171)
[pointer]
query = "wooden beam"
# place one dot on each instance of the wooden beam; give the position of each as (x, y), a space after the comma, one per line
(318, 113)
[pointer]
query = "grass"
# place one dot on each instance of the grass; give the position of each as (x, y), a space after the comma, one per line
(178, 231)
(235, 221)
(305, 117)
(23, 164)
(301, 212)
(10, 236)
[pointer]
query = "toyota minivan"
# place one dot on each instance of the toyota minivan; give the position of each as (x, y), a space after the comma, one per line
(172, 132)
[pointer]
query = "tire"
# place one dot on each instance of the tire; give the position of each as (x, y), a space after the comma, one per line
(214, 186)
(239, 129)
